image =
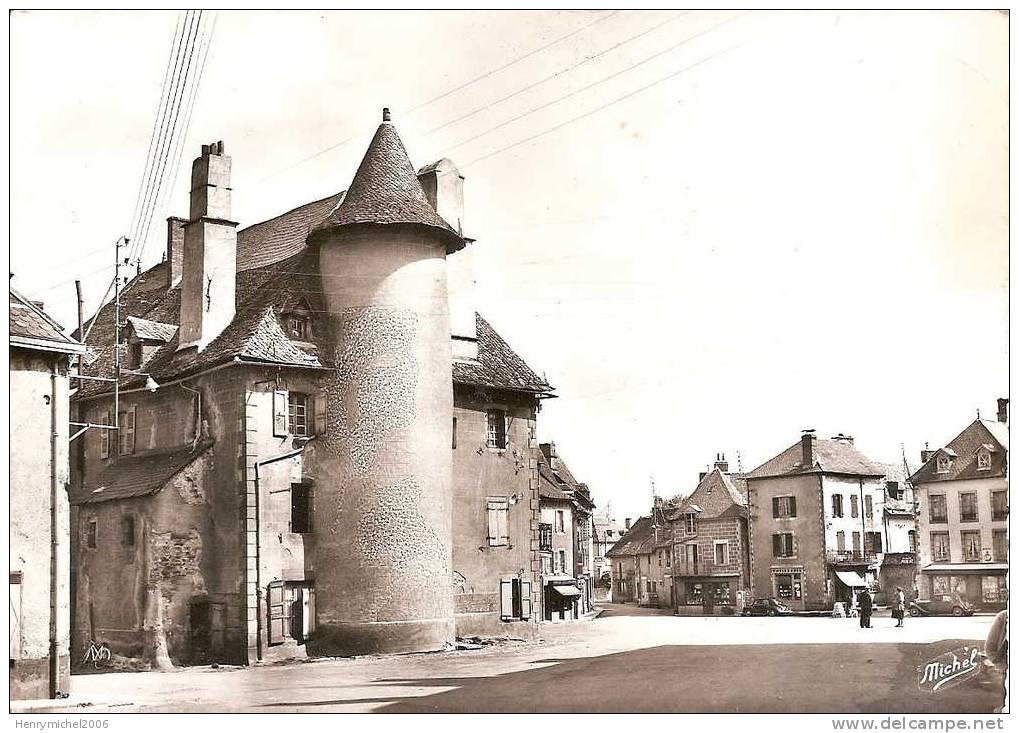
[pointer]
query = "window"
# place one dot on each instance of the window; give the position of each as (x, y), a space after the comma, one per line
(968, 507)
(983, 461)
(857, 542)
(854, 506)
(993, 589)
(721, 552)
(104, 436)
(454, 433)
(297, 414)
(560, 521)
(894, 492)
(691, 523)
(694, 594)
(789, 586)
(298, 327)
(868, 505)
(782, 545)
(1000, 541)
(874, 543)
(940, 550)
(92, 534)
(545, 537)
(943, 464)
(126, 431)
(912, 541)
(836, 505)
(783, 507)
(127, 530)
(562, 561)
(497, 429)
(134, 355)
(840, 541)
(971, 546)
(938, 509)
(546, 564)
(691, 557)
(515, 599)
(498, 522)
(999, 505)
(300, 508)
(668, 559)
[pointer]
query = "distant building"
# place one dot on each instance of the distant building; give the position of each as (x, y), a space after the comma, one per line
(642, 561)
(962, 489)
(606, 531)
(711, 562)
(816, 523)
(39, 536)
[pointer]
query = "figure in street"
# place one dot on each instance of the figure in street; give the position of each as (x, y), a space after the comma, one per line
(866, 606)
(899, 611)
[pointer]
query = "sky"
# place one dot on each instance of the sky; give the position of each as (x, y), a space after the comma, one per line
(708, 230)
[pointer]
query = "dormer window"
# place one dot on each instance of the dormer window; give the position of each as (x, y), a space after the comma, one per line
(299, 327)
(983, 460)
(943, 464)
(691, 523)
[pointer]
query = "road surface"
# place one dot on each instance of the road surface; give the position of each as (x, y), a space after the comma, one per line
(627, 660)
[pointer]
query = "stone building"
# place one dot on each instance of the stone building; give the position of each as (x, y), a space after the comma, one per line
(710, 565)
(642, 561)
(816, 523)
(962, 490)
(322, 448)
(605, 532)
(39, 553)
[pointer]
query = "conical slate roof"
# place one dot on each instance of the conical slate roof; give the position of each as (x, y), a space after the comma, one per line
(385, 190)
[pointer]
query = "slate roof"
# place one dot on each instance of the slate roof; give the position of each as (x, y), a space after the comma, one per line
(386, 190)
(141, 474)
(29, 324)
(498, 366)
(830, 456)
(964, 446)
(642, 537)
(559, 484)
(716, 496)
(152, 330)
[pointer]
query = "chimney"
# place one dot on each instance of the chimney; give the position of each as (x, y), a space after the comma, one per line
(208, 298)
(548, 451)
(659, 502)
(807, 445)
(1003, 410)
(721, 464)
(444, 188)
(174, 250)
(926, 453)
(701, 475)
(842, 438)
(626, 523)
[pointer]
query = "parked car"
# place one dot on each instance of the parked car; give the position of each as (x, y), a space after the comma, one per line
(941, 607)
(767, 607)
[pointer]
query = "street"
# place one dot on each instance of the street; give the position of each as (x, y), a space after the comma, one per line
(627, 660)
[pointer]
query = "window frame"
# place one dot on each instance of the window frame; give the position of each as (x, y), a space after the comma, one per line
(126, 429)
(947, 557)
(838, 509)
(965, 536)
(92, 533)
(983, 460)
(941, 518)
(497, 509)
(560, 521)
(128, 521)
(1001, 534)
(307, 526)
(494, 439)
(690, 523)
(300, 401)
(784, 500)
(780, 546)
(724, 546)
(999, 516)
(942, 464)
(969, 517)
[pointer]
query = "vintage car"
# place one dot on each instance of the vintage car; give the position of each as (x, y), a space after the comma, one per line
(941, 607)
(767, 607)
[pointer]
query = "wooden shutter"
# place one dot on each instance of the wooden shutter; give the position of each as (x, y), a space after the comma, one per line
(104, 436)
(15, 620)
(776, 545)
(280, 399)
(277, 613)
(792, 506)
(774, 507)
(502, 524)
(309, 603)
(525, 599)
(506, 599)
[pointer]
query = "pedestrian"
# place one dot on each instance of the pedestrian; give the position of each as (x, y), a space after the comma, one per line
(899, 611)
(866, 606)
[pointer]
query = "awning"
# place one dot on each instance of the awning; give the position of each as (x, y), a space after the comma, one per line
(567, 591)
(967, 568)
(851, 579)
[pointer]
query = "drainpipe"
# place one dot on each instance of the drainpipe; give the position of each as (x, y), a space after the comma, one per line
(258, 535)
(54, 664)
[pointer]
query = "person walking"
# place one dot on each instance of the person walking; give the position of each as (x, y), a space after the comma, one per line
(866, 607)
(899, 612)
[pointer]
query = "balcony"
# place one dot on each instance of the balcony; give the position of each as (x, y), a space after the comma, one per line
(851, 557)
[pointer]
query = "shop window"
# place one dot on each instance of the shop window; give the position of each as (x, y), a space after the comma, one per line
(968, 507)
(694, 594)
(836, 505)
(940, 588)
(783, 507)
(723, 594)
(127, 530)
(940, 549)
(788, 586)
(496, 429)
(993, 589)
(938, 509)
(498, 521)
(301, 509)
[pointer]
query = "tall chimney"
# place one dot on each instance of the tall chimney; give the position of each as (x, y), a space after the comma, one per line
(926, 453)
(444, 188)
(626, 523)
(807, 446)
(1003, 410)
(721, 464)
(174, 250)
(208, 298)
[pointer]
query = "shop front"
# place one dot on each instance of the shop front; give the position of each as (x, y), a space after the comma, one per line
(562, 600)
(983, 585)
(707, 595)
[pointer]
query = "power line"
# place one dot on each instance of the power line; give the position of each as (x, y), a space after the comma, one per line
(586, 87)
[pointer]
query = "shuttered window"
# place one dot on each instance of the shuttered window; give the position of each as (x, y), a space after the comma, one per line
(280, 413)
(104, 436)
(782, 545)
(299, 415)
(126, 431)
(496, 429)
(783, 507)
(498, 522)
(514, 599)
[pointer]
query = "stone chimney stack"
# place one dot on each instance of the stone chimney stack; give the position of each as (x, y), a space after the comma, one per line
(721, 464)
(444, 188)
(208, 297)
(1003, 410)
(926, 453)
(626, 523)
(174, 250)
(807, 445)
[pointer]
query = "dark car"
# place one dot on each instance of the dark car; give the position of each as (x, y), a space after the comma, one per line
(941, 607)
(767, 607)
